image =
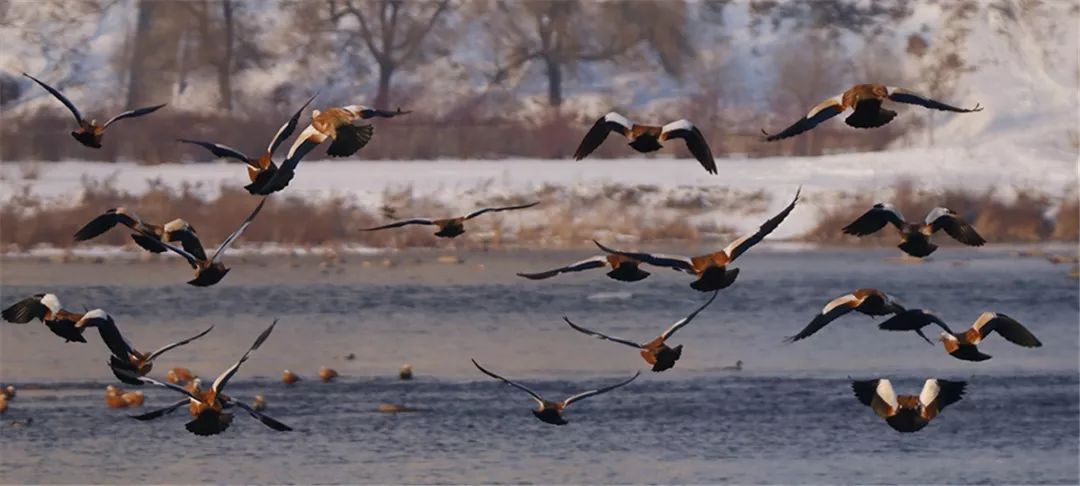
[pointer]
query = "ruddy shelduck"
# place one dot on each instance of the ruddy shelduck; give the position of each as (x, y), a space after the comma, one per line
(908, 413)
(864, 100)
(647, 138)
(209, 271)
(147, 235)
(915, 238)
(623, 269)
(963, 345)
(871, 302)
(656, 352)
(548, 411)
(90, 132)
(711, 270)
(207, 406)
(125, 360)
(47, 309)
(450, 227)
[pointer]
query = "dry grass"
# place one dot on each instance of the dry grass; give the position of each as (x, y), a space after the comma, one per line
(1020, 221)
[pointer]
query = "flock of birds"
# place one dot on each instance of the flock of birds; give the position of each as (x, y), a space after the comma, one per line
(209, 406)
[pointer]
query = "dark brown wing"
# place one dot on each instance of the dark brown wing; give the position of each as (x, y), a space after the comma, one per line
(595, 262)
(946, 219)
(350, 139)
(60, 96)
(904, 96)
(104, 223)
(938, 394)
(219, 150)
(875, 219)
(1007, 327)
(611, 122)
(738, 247)
(834, 309)
(26, 310)
(399, 224)
(823, 111)
(496, 210)
(695, 141)
(132, 114)
(288, 128)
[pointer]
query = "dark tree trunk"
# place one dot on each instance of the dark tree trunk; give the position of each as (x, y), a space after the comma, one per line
(225, 68)
(140, 52)
(554, 74)
(382, 98)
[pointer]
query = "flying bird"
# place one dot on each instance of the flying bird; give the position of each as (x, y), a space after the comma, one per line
(551, 412)
(963, 345)
(335, 124)
(90, 132)
(908, 413)
(655, 352)
(126, 361)
(47, 309)
(712, 269)
(915, 238)
(262, 169)
(209, 271)
(450, 227)
(865, 102)
(647, 138)
(208, 406)
(623, 268)
(147, 235)
(871, 302)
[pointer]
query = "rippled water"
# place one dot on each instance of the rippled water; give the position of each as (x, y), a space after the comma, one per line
(788, 417)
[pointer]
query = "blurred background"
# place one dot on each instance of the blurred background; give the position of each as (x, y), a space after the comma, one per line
(494, 80)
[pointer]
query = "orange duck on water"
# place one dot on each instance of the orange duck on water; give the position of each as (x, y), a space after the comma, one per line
(711, 270)
(915, 238)
(871, 302)
(551, 412)
(655, 352)
(964, 345)
(117, 398)
(623, 269)
(450, 227)
(208, 406)
(147, 235)
(327, 374)
(46, 308)
(126, 361)
(289, 378)
(209, 271)
(647, 138)
(334, 124)
(261, 170)
(865, 102)
(908, 413)
(90, 132)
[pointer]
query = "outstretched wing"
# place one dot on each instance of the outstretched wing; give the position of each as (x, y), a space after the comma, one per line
(912, 320)
(151, 381)
(372, 113)
(399, 224)
(901, 95)
(680, 263)
(946, 219)
(219, 150)
(611, 122)
(26, 310)
(105, 222)
(838, 307)
(191, 259)
(1007, 327)
(594, 262)
(875, 219)
(877, 394)
(937, 394)
(132, 114)
(686, 320)
(239, 231)
(584, 395)
(159, 351)
(695, 141)
(523, 388)
(496, 210)
(288, 128)
(595, 334)
(118, 345)
(60, 96)
(739, 246)
(161, 412)
(223, 379)
(823, 111)
(265, 419)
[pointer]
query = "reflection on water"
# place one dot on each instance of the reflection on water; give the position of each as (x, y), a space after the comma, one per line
(788, 417)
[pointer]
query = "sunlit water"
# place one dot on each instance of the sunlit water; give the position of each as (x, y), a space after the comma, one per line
(787, 417)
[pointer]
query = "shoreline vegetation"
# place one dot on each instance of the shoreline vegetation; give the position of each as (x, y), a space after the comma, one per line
(629, 214)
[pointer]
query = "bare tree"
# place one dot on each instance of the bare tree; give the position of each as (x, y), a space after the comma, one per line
(395, 32)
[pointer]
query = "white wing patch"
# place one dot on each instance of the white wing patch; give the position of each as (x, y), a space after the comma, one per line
(885, 392)
(177, 225)
(96, 314)
(929, 392)
(839, 301)
(936, 213)
(52, 302)
(983, 319)
(837, 100)
(677, 125)
(617, 118)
